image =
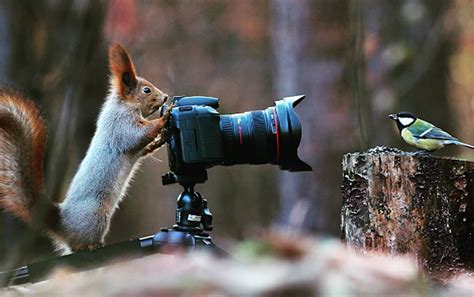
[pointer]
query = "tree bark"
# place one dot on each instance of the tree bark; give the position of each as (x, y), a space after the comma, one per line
(401, 203)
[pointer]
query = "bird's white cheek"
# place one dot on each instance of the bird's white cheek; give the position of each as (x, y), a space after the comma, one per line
(405, 121)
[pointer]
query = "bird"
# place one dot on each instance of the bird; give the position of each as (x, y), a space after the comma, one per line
(422, 134)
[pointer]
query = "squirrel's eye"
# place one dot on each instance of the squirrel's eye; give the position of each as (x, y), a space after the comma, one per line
(146, 90)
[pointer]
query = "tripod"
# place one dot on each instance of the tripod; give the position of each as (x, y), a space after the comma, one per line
(193, 220)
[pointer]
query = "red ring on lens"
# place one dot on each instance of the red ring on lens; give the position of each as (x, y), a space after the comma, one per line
(277, 134)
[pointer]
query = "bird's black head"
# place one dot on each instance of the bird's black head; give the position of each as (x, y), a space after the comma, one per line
(403, 119)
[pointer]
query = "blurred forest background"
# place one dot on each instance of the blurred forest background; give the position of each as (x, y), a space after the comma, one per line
(356, 61)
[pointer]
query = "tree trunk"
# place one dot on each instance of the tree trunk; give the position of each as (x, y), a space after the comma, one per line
(398, 203)
(310, 48)
(289, 37)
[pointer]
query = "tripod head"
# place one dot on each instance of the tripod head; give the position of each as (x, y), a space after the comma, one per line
(193, 217)
(187, 178)
(192, 211)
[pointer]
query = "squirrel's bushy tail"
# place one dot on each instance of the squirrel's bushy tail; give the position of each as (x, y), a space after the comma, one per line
(22, 144)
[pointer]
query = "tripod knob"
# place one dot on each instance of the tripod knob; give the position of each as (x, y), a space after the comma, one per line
(206, 217)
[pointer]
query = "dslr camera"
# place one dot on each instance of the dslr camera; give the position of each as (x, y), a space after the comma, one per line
(200, 138)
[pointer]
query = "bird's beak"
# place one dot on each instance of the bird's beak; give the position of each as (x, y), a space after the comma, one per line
(393, 117)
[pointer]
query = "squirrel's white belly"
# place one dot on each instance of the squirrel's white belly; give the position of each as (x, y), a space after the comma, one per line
(94, 194)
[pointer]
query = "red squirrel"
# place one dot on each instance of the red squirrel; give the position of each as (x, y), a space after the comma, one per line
(122, 138)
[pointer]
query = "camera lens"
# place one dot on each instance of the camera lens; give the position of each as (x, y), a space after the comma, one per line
(264, 136)
(249, 138)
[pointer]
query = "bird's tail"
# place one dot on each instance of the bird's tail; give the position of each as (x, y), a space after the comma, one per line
(457, 142)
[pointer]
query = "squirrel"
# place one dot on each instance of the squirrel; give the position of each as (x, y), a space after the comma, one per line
(122, 138)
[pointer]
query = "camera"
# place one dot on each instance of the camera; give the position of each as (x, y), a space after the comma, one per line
(200, 138)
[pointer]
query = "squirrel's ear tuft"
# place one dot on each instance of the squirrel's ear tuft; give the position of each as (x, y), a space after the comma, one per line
(122, 69)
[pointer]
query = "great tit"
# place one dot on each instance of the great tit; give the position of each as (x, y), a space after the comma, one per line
(423, 135)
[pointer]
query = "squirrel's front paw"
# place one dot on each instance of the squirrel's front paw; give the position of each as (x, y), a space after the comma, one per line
(159, 141)
(167, 113)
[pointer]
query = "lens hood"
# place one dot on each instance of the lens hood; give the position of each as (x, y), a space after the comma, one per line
(289, 129)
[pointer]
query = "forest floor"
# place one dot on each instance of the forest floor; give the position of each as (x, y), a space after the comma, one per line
(272, 265)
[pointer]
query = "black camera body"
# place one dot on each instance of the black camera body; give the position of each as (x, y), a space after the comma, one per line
(199, 137)
(195, 138)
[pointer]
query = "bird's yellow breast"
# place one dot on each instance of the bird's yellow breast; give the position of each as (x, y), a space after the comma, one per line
(424, 144)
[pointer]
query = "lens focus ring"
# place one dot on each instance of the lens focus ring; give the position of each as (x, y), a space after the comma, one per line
(260, 136)
(228, 135)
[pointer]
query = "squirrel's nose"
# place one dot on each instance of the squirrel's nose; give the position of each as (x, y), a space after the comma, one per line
(165, 97)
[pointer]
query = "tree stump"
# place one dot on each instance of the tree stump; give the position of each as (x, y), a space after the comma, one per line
(402, 203)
